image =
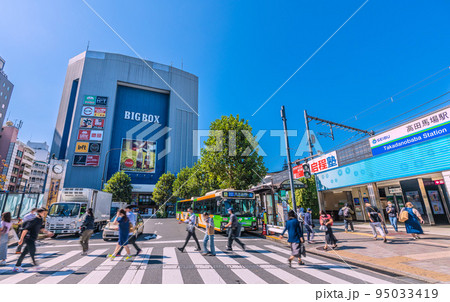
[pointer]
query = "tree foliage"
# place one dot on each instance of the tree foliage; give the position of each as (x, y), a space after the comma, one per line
(120, 187)
(164, 189)
(229, 159)
(307, 197)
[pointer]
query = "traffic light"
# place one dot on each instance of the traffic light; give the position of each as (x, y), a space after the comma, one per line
(306, 171)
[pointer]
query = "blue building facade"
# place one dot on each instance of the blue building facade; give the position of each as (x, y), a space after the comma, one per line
(119, 113)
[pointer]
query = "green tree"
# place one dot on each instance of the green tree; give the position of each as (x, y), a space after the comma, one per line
(185, 185)
(120, 187)
(229, 159)
(164, 189)
(307, 197)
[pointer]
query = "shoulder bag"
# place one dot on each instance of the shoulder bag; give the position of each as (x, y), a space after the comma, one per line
(404, 215)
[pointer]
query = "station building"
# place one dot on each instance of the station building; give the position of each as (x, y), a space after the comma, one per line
(120, 113)
(410, 162)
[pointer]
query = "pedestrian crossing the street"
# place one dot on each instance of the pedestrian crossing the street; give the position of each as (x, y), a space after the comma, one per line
(265, 264)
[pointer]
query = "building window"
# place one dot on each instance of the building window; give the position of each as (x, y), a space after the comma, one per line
(13, 179)
(17, 162)
(19, 153)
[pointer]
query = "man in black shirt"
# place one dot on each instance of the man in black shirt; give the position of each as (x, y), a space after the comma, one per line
(233, 232)
(375, 221)
(31, 230)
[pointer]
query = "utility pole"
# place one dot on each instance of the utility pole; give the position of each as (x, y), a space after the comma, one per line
(307, 133)
(288, 151)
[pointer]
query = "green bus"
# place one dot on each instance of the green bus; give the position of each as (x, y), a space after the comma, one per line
(217, 203)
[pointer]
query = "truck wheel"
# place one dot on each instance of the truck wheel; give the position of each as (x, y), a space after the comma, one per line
(54, 236)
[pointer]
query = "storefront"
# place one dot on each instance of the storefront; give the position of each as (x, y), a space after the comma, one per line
(409, 163)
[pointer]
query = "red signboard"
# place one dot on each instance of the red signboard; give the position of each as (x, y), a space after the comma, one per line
(298, 171)
(92, 160)
(100, 111)
(84, 135)
(98, 123)
(439, 182)
(129, 162)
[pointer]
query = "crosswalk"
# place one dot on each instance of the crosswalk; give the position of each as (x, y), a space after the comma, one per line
(266, 264)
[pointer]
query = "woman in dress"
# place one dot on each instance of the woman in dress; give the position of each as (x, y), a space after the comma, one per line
(412, 225)
(124, 229)
(330, 239)
(5, 226)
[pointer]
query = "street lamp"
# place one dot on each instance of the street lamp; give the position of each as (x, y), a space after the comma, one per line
(104, 165)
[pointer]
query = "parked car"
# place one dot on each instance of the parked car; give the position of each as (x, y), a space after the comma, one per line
(111, 231)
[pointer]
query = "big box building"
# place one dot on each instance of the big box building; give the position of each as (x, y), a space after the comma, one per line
(120, 113)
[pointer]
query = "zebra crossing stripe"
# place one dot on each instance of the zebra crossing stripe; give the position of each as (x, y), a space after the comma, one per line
(22, 276)
(307, 270)
(171, 273)
(96, 276)
(73, 267)
(277, 272)
(342, 270)
(206, 271)
(12, 261)
(245, 274)
(134, 274)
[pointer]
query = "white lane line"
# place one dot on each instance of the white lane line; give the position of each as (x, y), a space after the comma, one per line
(100, 272)
(205, 270)
(310, 271)
(342, 269)
(12, 260)
(71, 268)
(277, 272)
(133, 275)
(171, 273)
(22, 276)
(245, 274)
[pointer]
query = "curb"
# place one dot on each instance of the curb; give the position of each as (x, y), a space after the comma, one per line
(383, 270)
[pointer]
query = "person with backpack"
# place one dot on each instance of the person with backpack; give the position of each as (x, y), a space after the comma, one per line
(5, 226)
(413, 221)
(295, 238)
(375, 221)
(347, 212)
(393, 215)
(26, 218)
(309, 225)
(190, 228)
(87, 229)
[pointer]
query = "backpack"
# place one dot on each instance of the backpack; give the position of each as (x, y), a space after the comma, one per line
(346, 212)
(341, 212)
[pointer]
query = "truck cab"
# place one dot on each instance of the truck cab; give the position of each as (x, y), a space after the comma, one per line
(63, 217)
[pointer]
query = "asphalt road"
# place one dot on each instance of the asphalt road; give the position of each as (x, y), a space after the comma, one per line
(160, 262)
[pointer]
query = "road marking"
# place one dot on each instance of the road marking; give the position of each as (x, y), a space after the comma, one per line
(342, 269)
(61, 275)
(171, 273)
(307, 270)
(134, 274)
(277, 272)
(245, 274)
(18, 277)
(12, 260)
(100, 272)
(206, 271)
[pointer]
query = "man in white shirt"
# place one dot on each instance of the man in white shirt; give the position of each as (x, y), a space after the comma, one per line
(27, 217)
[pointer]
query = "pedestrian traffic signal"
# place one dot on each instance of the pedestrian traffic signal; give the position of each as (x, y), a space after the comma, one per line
(306, 171)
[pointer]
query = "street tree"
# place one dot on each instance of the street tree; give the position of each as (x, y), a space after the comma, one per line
(120, 187)
(307, 197)
(185, 185)
(163, 192)
(230, 157)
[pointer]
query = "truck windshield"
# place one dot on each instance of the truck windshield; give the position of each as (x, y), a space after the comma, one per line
(64, 209)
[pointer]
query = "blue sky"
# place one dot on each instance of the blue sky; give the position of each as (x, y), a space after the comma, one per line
(242, 51)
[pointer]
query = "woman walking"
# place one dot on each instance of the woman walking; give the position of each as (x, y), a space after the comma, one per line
(295, 237)
(209, 236)
(326, 223)
(87, 228)
(124, 229)
(412, 225)
(5, 226)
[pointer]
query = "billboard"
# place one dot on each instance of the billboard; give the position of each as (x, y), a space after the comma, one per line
(319, 164)
(89, 122)
(138, 156)
(420, 130)
(86, 160)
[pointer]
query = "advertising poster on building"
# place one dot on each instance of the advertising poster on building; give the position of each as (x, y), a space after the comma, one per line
(84, 135)
(138, 156)
(87, 111)
(414, 198)
(320, 164)
(92, 160)
(81, 147)
(435, 202)
(100, 111)
(79, 160)
(89, 100)
(53, 191)
(95, 147)
(101, 100)
(88, 122)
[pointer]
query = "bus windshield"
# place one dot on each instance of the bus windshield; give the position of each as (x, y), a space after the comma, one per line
(241, 207)
(64, 210)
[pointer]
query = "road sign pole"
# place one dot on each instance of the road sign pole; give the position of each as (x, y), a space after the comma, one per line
(288, 151)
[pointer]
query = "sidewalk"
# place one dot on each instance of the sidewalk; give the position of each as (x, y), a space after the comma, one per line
(427, 259)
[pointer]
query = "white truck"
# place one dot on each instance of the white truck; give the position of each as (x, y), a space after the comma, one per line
(64, 216)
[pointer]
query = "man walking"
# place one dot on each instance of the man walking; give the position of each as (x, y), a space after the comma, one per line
(375, 221)
(190, 231)
(209, 236)
(30, 233)
(26, 218)
(347, 212)
(295, 238)
(393, 215)
(133, 235)
(309, 225)
(233, 231)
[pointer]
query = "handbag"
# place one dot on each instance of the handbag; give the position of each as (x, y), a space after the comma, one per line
(323, 228)
(190, 228)
(404, 215)
(12, 237)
